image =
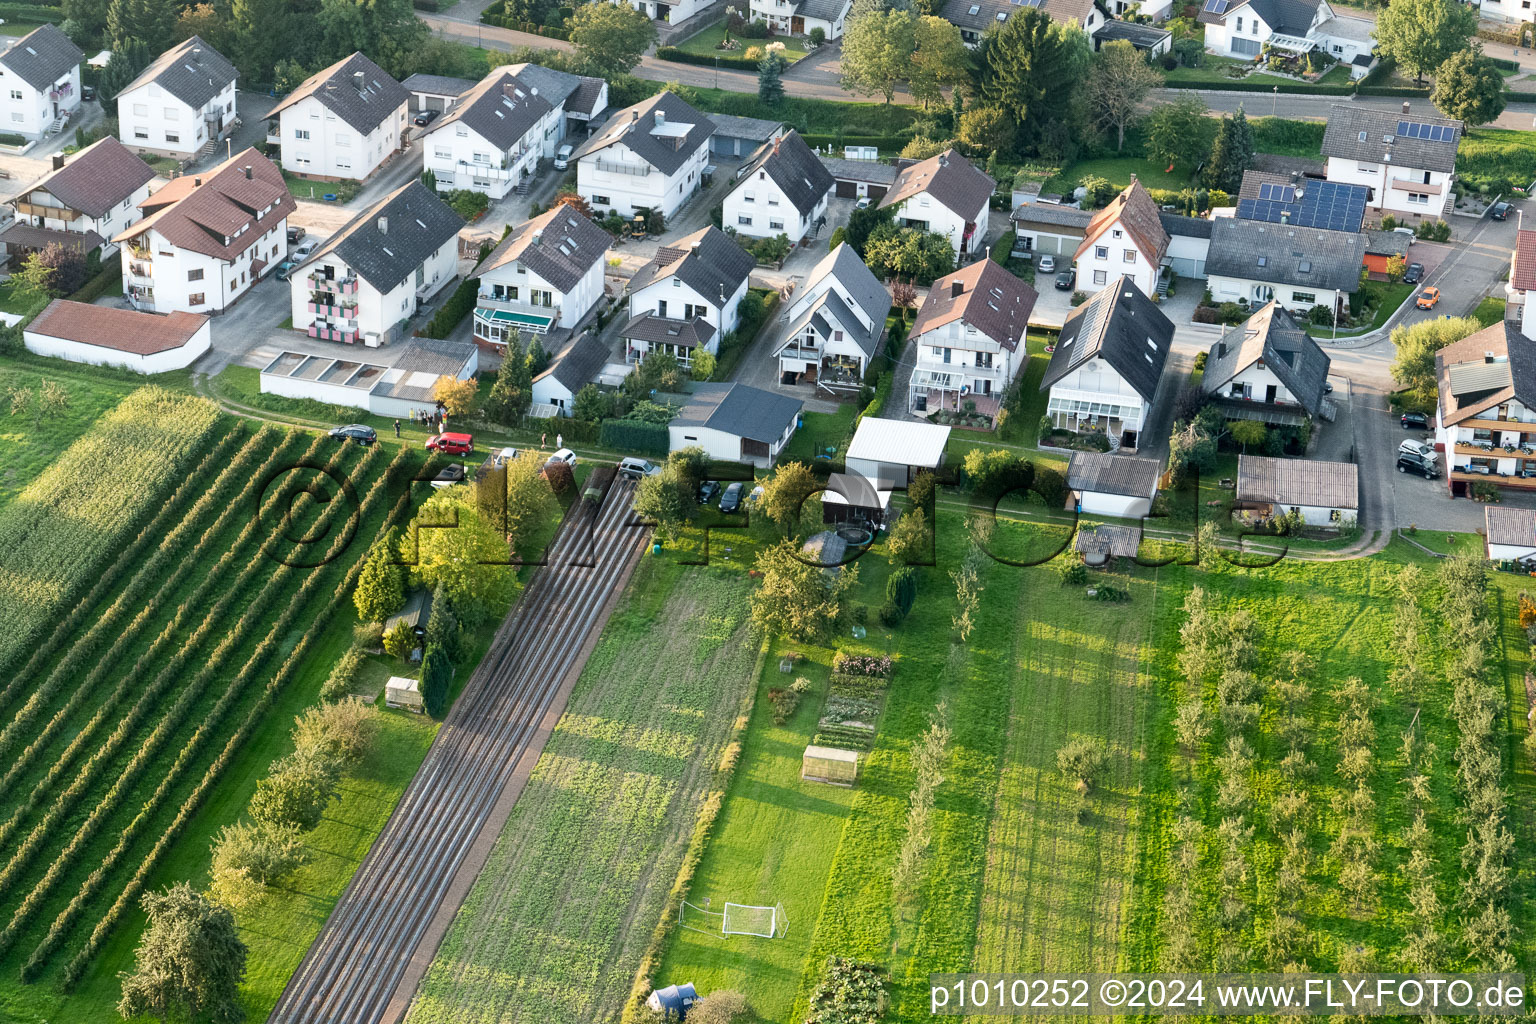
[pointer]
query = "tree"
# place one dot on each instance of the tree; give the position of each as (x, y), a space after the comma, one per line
(52, 400)
(89, 17)
(786, 492)
(609, 38)
(770, 80)
(1414, 368)
(862, 223)
(592, 403)
(877, 52)
(795, 598)
(704, 364)
(288, 75)
(1080, 762)
(1034, 70)
(1231, 153)
(537, 358)
(443, 625)
(722, 1006)
(436, 676)
(1397, 266)
(380, 586)
(123, 69)
(904, 296)
(1423, 34)
(909, 252)
(984, 129)
(1178, 132)
(922, 147)
(151, 22)
(296, 790)
(1248, 432)
(262, 36)
(344, 729)
(1469, 86)
(400, 640)
(1118, 80)
(259, 850)
(190, 959)
(530, 502)
(51, 271)
(911, 540)
(901, 588)
(940, 60)
(457, 396)
(453, 544)
(666, 497)
(512, 392)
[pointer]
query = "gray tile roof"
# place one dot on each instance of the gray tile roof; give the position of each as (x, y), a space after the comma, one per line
(1143, 37)
(192, 71)
(501, 108)
(1347, 122)
(825, 10)
(355, 89)
(584, 100)
(1115, 325)
(1502, 340)
(1273, 335)
(1515, 527)
(560, 245)
(874, 172)
(1275, 163)
(857, 280)
(97, 179)
(1102, 473)
(417, 225)
(664, 331)
(980, 15)
(633, 126)
(435, 356)
(577, 364)
(789, 162)
(741, 410)
(1193, 227)
(1283, 254)
(1387, 243)
(707, 261)
(1051, 215)
(1298, 482)
(1290, 17)
(437, 85)
(555, 86)
(952, 180)
(756, 129)
(42, 57)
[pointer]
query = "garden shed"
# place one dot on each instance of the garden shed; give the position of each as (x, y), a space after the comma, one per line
(741, 136)
(401, 692)
(1510, 533)
(829, 764)
(416, 613)
(673, 999)
(889, 453)
(1113, 485)
(851, 498)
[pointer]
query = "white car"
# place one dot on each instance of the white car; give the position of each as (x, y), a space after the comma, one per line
(563, 157)
(304, 251)
(1047, 264)
(634, 469)
(453, 473)
(503, 457)
(564, 455)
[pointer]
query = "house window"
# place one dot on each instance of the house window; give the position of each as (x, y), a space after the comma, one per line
(196, 299)
(141, 109)
(743, 219)
(748, 197)
(1100, 277)
(15, 94)
(600, 201)
(301, 133)
(1101, 252)
(1239, 24)
(195, 275)
(775, 225)
(442, 153)
(172, 136)
(170, 113)
(141, 133)
(1130, 255)
(1310, 298)
(983, 360)
(1418, 199)
(343, 139)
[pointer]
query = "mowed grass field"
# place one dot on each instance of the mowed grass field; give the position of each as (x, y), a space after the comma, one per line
(29, 441)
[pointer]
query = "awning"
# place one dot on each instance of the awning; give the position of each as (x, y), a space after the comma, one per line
(1296, 44)
(25, 236)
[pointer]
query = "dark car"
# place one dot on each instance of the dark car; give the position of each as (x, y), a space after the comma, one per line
(1500, 211)
(1414, 274)
(730, 501)
(285, 268)
(359, 432)
(1415, 421)
(424, 118)
(1066, 280)
(87, 92)
(295, 233)
(709, 490)
(1424, 467)
(453, 473)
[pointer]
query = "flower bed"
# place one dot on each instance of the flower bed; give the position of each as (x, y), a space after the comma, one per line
(855, 698)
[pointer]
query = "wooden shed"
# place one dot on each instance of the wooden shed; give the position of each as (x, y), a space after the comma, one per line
(830, 764)
(401, 692)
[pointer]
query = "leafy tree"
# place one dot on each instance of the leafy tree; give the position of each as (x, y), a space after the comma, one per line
(1190, 447)
(862, 224)
(1469, 86)
(190, 960)
(296, 790)
(453, 544)
(151, 22)
(770, 80)
(443, 625)
(537, 358)
(609, 38)
(1080, 762)
(1118, 81)
(400, 640)
(908, 252)
(1248, 432)
(786, 492)
(380, 586)
(512, 392)
(1178, 132)
(1231, 154)
(704, 363)
(592, 403)
(262, 34)
(922, 147)
(288, 75)
(1034, 70)
(1423, 34)
(722, 1006)
(940, 59)
(911, 539)
(530, 502)
(986, 129)
(668, 498)
(795, 598)
(89, 18)
(51, 271)
(436, 677)
(343, 729)
(1414, 368)
(904, 296)
(457, 396)
(901, 588)
(1396, 268)
(877, 52)
(429, 179)
(993, 472)
(261, 850)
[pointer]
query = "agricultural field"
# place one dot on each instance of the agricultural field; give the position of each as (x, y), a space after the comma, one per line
(563, 913)
(35, 431)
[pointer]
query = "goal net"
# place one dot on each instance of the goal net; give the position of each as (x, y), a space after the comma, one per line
(764, 922)
(698, 919)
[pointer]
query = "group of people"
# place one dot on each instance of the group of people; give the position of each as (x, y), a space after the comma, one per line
(437, 422)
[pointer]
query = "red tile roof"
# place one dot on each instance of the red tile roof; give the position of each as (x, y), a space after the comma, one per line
(1523, 274)
(986, 297)
(125, 330)
(203, 212)
(1135, 209)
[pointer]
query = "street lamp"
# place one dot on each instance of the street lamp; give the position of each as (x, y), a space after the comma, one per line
(1276, 104)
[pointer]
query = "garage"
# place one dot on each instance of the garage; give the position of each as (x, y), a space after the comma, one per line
(856, 179)
(847, 190)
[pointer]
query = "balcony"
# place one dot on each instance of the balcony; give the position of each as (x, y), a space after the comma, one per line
(335, 285)
(325, 332)
(638, 170)
(345, 311)
(138, 271)
(1496, 450)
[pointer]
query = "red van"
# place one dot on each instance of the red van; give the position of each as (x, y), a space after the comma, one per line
(452, 444)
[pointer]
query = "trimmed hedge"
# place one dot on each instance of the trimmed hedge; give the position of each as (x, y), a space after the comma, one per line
(1238, 85)
(1392, 90)
(31, 12)
(98, 285)
(637, 436)
(453, 312)
(678, 56)
(837, 141)
(493, 15)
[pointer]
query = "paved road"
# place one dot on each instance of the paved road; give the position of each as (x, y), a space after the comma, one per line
(382, 935)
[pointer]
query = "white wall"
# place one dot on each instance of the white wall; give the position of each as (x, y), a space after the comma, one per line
(549, 391)
(757, 204)
(151, 120)
(180, 276)
(116, 220)
(1511, 551)
(376, 313)
(968, 348)
(318, 144)
(677, 297)
(1257, 380)
(461, 157)
(1096, 503)
(720, 445)
(1297, 300)
(1097, 381)
(1104, 261)
(95, 355)
(1393, 185)
(1187, 253)
(923, 208)
(676, 13)
(606, 188)
(778, 15)
(28, 111)
(572, 306)
(331, 394)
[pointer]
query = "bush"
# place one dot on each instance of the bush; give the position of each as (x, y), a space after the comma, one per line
(1078, 298)
(343, 675)
(633, 435)
(295, 792)
(742, 63)
(559, 477)
(453, 312)
(901, 589)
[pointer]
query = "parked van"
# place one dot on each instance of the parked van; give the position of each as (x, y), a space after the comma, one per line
(634, 469)
(563, 157)
(452, 444)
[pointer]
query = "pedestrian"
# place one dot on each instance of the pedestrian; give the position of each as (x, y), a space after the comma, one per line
(397, 428)
(543, 440)
(559, 440)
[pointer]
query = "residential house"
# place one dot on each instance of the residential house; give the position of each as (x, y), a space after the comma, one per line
(1189, 243)
(435, 92)
(687, 297)
(1485, 418)
(1108, 363)
(891, 453)
(860, 179)
(836, 324)
(1407, 160)
(736, 423)
(367, 280)
(802, 17)
(108, 336)
(668, 13)
(782, 190)
(1509, 534)
(650, 156)
(406, 388)
(945, 194)
(1118, 485)
(1325, 494)
(1519, 305)
(206, 239)
(39, 83)
(969, 338)
(1125, 239)
(1241, 28)
(342, 123)
(180, 106)
(1049, 229)
(1269, 369)
(546, 275)
(1254, 261)
(742, 136)
(975, 18)
(573, 368)
(85, 200)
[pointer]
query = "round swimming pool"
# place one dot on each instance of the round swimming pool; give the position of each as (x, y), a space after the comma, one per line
(855, 535)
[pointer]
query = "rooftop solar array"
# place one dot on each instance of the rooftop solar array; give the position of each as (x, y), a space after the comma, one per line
(1420, 130)
(1217, 6)
(1332, 205)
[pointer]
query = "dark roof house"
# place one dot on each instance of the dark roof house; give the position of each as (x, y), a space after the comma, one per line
(576, 365)
(42, 57)
(861, 285)
(662, 130)
(1103, 473)
(1121, 326)
(192, 71)
(97, 179)
(707, 261)
(355, 89)
(952, 180)
(559, 245)
(1280, 254)
(1372, 135)
(984, 296)
(791, 165)
(738, 409)
(501, 108)
(387, 242)
(1284, 17)
(975, 17)
(1271, 338)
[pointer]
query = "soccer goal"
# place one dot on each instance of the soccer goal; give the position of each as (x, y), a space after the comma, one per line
(764, 922)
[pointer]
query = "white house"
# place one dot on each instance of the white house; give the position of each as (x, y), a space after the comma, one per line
(206, 239)
(367, 280)
(1268, 369)
(736, 423)
(801, 17)
(1125, 239)
(836, 324)
(890, 453)
(1485, 418)
(1241, 28)
(975, 18)
(82, 202)
(650, 156)
(108, 336)
(573, 368)
(1117, 485)
(1255, 261)
(945, 194)
(782, 190)
(968, 337)
(1108, 362)
(1522, 280)
(396, 391)
(1509, 533)
(39, 83)
(687, 297)
(661, 10)
(546, 275)
(342, 123)
(1323, 493)
(182, 105)
(1407, 160)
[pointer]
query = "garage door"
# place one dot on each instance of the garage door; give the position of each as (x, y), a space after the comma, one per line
(846, 190)
(433, 103)
(1246, 47)
(877, 191)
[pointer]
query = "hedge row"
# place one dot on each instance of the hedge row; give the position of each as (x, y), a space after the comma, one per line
(678, 56)
(636, 436)
(1238, 85)
(258, 714)
(31, 12)
(97, 286)
(501, 21)
(1392, 90)
(884, 143)
(453, 312)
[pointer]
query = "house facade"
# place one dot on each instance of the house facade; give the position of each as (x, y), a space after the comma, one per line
(687, 298)
(1255, 262)
(1242, 28)
(650, 156)
(1189, 244)
(206, 239)
(1125, 239)
(782, 190)
(571, 369)
(945, 194)
(661, 10)
(969, 335)
(85, 200)
(1519, 304)
(736, 423)
(1325, 494)
(39, 83)
(181, 105)
(342, 123)
(1267, 369)
(1485, 417)
(547, 274)
(975, 18)
(1407, 160)
(836, 324)
(802, 17)
(366, 282)
(1119, 485)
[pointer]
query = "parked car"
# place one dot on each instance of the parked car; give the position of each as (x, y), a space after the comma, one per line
(863, 203)
(503, 457)
(1066, 280)
(709, 490)
(1429, 298)
(1408, 232)
(730, 501)
(359, 432)
(1414, 274)
(563, 156)
(285, 269)
(635, 469)
(1417, 457)
(564, 455)
(1500, 211)
(424, 118)
(304, 251)
(295, 234)
(1415, 421)
(1047, 264)
(451, 474)
(87, 92)
(452, 444)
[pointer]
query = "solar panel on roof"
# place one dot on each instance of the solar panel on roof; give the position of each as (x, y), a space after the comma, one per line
(1216, 6)
(1284, 193)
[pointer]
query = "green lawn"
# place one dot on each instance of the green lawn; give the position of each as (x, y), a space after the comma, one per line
(28, 441)
(12, 301)
(705, 42)
(1212, 71)
(1117, 171)
(1446, 543)
(1490, 311)
(303, 188)
(822, 431)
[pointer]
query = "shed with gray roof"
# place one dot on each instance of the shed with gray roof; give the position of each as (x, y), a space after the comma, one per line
(741, 136)
(1048, 229)
(1510, 533)
(736, 423)
(573, 368)
(1113, 485)
(435, 92)
(1325, 494)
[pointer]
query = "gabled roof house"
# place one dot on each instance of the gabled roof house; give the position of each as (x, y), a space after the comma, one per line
(1269, 369)
(1124, 239)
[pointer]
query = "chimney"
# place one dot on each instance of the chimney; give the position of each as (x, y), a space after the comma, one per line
(358, 82)
(58, 161)
(383, 225)
(536, 236)
(956, 289)
(197, 182)
(776, 141)
(1405, 106)
(197, 53)
(247, 172)
(661, 118)
(1221, 349)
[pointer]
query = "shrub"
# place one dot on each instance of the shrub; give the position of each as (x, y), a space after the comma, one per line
(559, 477)
(1078, 298)
(343, 731)
(436, 675)
(901, 589)
(296, 791)
(343, 675)
(453, 312)
(400, 641)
